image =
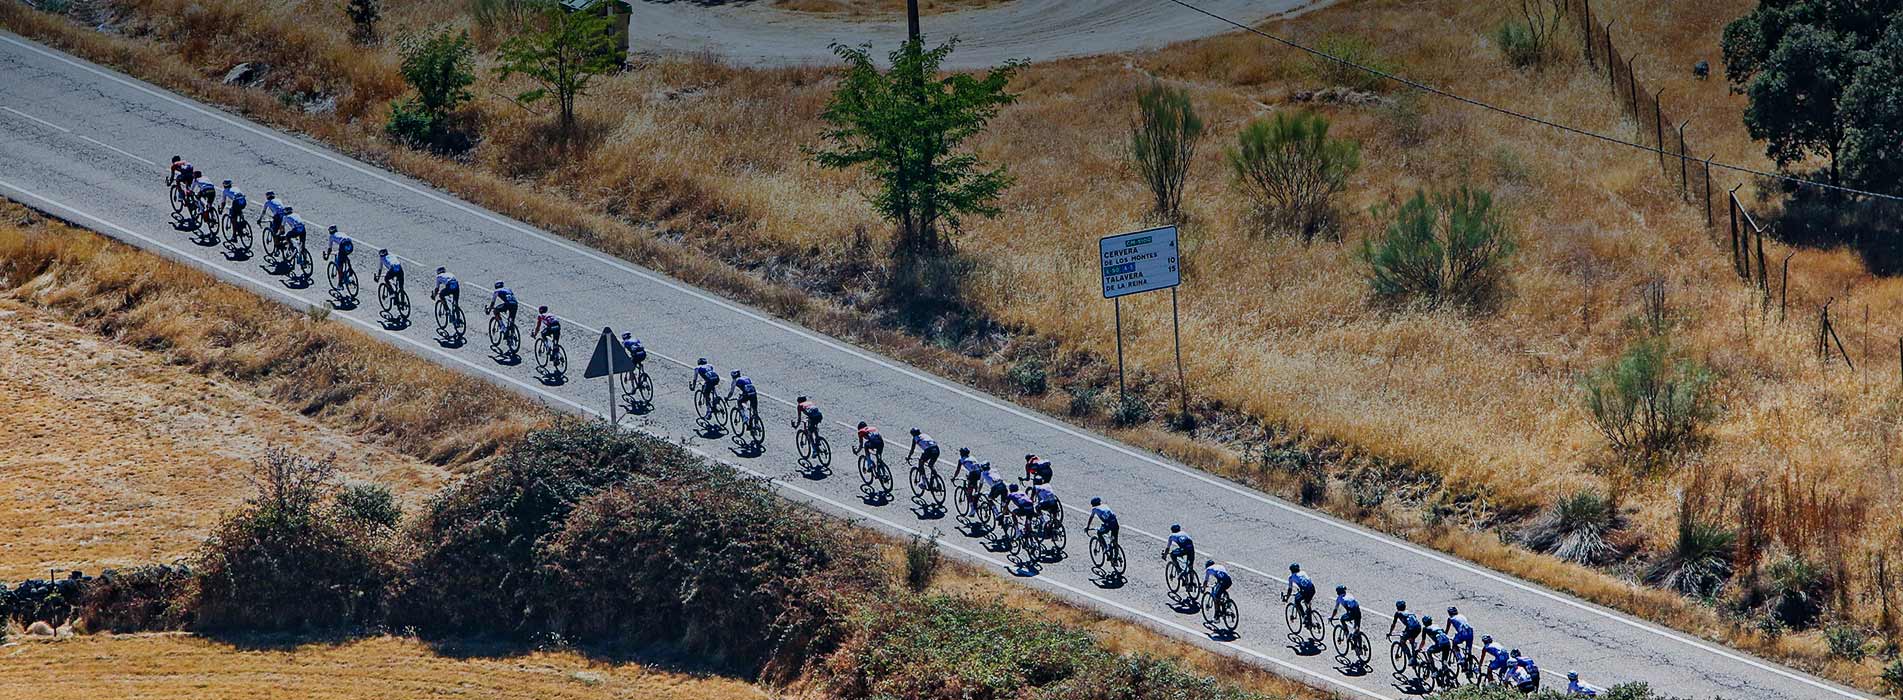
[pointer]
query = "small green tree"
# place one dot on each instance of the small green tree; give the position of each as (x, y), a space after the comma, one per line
(1649, 402)
(1293, 171)
(1163, 145)
(364, 15)
(440, 69)
(561, 55)
(1445, 248)
(905, 126)
(1873, 148)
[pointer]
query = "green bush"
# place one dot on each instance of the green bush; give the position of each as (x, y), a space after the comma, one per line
(922, 559)
(1083, 399)
(1893, 677)
(1030, 375)
(410, 124)
(139, 599)
(1518, 45)
(1650, 402)
(267, 569)
(1699, 563)
(1132, 411)
(368, 505)
(1353, 49)
(1447, 248)
(1292, 171)
(1847, 642)
(1798, 590)
(1576, 528)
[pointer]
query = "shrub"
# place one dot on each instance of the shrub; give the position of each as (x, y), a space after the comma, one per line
(1649, 403)
(1163, 145)
(1353, 49)
(1846, 642)
(1030, 375)
(922, 559)
(1700, 561)
(364, 15)
(1575, 528)
(1518, 45)
(1083, 399)
(1893, 677)
(1798, 590)
(1132, 411)
(368, 505)
(1293, 171)
(410, 124)
(1448, 248)
(139, 599)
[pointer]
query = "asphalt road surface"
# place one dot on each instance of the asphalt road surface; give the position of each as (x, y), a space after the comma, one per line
(757, 34)
(90, 145)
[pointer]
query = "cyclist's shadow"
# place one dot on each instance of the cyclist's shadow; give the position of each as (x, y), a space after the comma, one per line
(1303, 646)
(506, 359)
(1351, 669)
(395, 324)
(1221, 635)
(1110, 580)
(748, 450)
(813, 470)
(553, 378)
(298, 281)
(875, 497)
(452, 342)
(928, 511)
(239, 255)
(343, 303)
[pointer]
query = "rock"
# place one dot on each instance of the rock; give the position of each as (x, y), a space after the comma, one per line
(1337, 95)
(245, 74)
(39, 628)
(320, 104)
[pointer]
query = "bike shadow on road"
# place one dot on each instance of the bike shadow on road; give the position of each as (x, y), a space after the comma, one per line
(1352, 670)
(452, 342)
(506, 360)
(553, 379)
(747, 450)
(876, 498)
(928, 511)
(1218, 635)
(1305, 647)
(395, 324)
(343, 303)
(238, 255)
(814, 471)
(1110, 582)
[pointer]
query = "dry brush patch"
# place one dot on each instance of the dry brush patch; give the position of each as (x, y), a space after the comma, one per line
(693, 170)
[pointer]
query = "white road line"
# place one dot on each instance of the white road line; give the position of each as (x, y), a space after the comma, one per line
(963, 392)
(42, 122)
(379, 331)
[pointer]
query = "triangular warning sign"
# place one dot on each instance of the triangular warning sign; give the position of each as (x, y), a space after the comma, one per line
(609, 357)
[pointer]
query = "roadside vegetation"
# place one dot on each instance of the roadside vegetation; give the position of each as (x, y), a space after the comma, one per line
(1732, 466)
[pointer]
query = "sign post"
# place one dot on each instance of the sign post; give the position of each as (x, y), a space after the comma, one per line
(1137, 262)
(609, 360)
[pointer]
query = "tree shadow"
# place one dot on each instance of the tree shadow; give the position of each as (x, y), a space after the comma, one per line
(1873, 228)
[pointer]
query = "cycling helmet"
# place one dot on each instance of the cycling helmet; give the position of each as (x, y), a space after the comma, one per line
(1209, 562)
(176, 159)
(333, 228)
(499, 286)
(1400, 605)
(1014, 488)
(1515, 653)
(1095, 501)
(1451, 610)
(964, 452)
(270, 194)
(1293, 568)
(541, 309)
(984, 466)
(1572, 675)
(735, 373)
(1341, 590)
(197, 173)
(227, 183)
(627, 336)
(704, 361)
(290, 210)
(862, 424)
(1175, 527)
(1486, 639)
(915, 432)
(440, 269)
(802, 396)
(1028, 458)
(1427, 620)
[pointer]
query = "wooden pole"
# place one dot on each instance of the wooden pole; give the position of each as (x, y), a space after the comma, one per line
(1658, 125)
(1612, 73)
(1684, 173)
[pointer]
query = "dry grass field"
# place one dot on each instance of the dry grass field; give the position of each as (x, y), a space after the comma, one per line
(687, 155)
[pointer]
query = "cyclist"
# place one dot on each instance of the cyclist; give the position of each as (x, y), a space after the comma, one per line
(447, 287)
(275, 207)
(970, 469)
(807, 415)
(1525, 663)
(232, 200)
(1179, 545)
(927, 449)
(292, 227)
(207, 195)
(179, 175)
(994, 484)
(749, 396)
(1462, 631)
(870, 441)
(501, 301)
(1495, 656)
(640, 356)
(343, 245)
(1433, 641)
(388, 265)
(1216, 579)
(1579, 689)
(547, 325)
(1022, 507)
(1518, 677)
(1047, 501)
(1409, 623)
(1346, 609)
(1037, 470)
(1100, 513)
(709, 379)
(1302, 587)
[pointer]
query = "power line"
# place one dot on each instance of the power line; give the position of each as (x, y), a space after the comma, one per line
(1521, 115)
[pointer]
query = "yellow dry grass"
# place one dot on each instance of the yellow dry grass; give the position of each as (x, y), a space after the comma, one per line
(703, 155)
(180, 666)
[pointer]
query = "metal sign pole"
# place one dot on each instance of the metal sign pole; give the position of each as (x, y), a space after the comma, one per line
(1121, 398)
(611, 400)
(1176, 327)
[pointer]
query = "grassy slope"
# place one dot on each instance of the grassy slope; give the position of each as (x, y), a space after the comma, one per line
(700, 154)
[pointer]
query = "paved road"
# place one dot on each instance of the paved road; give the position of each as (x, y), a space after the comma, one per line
(755, 33)
(88, 144)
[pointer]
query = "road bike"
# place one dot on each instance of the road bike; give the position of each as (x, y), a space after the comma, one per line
(637, 388)
(178, 199)
(1220, 614)
(1050, 528)
(1468, 666)
(449, 318)
(983, 510)
(394, 299)
(505, 340)
(874, 476)
(1106, 555)
(813, 447)
(1351, 644)
(748, 429)
(550, 359)
(928, 489)
(1444, 675)
(342, 276)
(1183, 585)
(706, 402)
(237, 233)
(1302, 620)
(300, 262)
(213, 220)
(1406, 662)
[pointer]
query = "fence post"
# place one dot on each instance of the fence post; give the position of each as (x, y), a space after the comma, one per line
(1784, 287)
(1585, 31)
(1684, 177)
(1731, 208)
(1611, 75)
(1708, 189)
(1658, 126)
(1764, 282)
(1632, 87)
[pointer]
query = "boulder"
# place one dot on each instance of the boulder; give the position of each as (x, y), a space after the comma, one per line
(39, 628)
(245, 74)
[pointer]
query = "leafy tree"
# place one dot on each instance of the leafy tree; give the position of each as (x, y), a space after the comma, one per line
(1649, 403)
(905, 126)
(1797, 61)
(1163, 145)
(439, 69)
(364, 15)
(1444, 248)
(561, 55)
(1873, 148)
(1293, 170)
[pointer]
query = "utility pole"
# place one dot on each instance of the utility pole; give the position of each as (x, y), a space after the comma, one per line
(911, 19)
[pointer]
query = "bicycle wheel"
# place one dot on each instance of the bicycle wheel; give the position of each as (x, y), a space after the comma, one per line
(1360, 650)
(1116, 560)
(402, 304)
(756, 429)
(1228, 617)
(330, 276)
(823, 452)
(934, 489)
(1099, 554)
(301, 263)
(1173, 578)
(495, 334)
(1056, 534)
(1398, 656)
(884, 475)
(1208, 608)
(1292, 616)
(560, 361)
(644, 388)
(1314, 625)
(511, 339)
(961, 502)
(442, 316)
(913, 479)
(243, 232)
(541, 357)
(1338, 640)
(386, 298)
(177, 199)
(803, 443)
(865, 472)
(348, 276)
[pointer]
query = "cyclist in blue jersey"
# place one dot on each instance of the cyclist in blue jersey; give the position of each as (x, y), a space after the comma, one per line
(293, 227)
(707, 379)
(927, 450)
(969, 471)
(1525, 663)
(640, 356)
(231, 201)
(1409, 623)
(1107, 519)
(1346, 609)
(1495, 656)
(341, 243)
(1023, 508)
(1462, 631)
(1302, 587)
(1581, 689)
(1047, 500)
(1180, 546)
(447, 287)
(1433, 641)
(389, 266)
(207, 195)
(501, 301)
(994, 485)
(1216, 579)
(275, 207)
(749, 395)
